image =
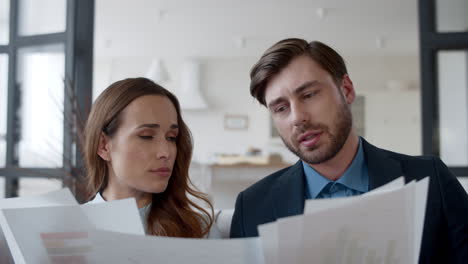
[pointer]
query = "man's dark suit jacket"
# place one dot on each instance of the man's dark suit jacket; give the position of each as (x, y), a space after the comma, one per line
(445, 235)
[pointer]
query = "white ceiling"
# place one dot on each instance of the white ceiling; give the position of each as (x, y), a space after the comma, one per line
(223, 28)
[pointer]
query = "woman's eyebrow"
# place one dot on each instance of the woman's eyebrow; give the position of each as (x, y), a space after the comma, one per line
(149, 126)
(174, 126)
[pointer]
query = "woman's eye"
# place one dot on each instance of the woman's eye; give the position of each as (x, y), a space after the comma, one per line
(172, 138)
(146, 137)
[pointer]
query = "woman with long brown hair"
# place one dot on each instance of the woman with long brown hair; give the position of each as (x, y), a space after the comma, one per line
(137, 145)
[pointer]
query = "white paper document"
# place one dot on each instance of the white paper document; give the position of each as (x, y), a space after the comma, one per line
(60, 234)
(48, 234)
(312, 206)
(374, 229)
(60, 197)
(94, 233)
(55, 198)
(119, 216)
(383, 226)
(269, 239)
(152, 249)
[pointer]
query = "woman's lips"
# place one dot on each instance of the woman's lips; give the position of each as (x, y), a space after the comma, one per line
(164, 171)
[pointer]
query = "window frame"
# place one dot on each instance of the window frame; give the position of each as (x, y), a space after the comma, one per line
(431, 42)
(78, 40)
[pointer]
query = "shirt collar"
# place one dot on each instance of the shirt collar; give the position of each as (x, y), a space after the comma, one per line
(315, 181)
(355, 177)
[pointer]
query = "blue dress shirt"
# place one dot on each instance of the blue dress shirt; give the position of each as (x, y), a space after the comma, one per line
(354, 181)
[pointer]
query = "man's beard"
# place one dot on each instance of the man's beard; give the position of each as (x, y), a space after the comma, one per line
(343, 124)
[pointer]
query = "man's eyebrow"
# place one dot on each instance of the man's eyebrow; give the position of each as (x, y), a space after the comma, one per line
(298, 90)
(305, 86)
(275, 102)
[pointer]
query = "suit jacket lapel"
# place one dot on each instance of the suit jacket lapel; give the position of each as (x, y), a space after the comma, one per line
(382, 168)
(288, 192)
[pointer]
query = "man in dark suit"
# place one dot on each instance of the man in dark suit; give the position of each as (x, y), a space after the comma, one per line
(308, 92)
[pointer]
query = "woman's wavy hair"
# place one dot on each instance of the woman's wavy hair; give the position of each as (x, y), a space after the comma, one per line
(172, 213)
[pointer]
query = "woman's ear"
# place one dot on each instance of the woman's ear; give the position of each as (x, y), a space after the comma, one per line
(103, 148)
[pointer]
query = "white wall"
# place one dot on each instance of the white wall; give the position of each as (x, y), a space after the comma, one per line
(224, 194)
(390, 85)
(225, 84)
(228, 182)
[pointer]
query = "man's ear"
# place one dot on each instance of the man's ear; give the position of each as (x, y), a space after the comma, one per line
(103, 148)
(347, 89)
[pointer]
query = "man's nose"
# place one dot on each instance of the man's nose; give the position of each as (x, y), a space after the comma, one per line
(299, 115)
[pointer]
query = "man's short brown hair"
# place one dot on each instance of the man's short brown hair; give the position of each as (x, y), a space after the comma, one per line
(283, 52)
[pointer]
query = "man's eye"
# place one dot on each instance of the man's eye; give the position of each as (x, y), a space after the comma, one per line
(279, 109)
(309, 95)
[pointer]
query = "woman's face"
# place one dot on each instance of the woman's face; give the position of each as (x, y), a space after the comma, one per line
(142, 152)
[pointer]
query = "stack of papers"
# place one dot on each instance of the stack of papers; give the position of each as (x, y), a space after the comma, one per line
(62, 197)
(382, 226)
(54, 229)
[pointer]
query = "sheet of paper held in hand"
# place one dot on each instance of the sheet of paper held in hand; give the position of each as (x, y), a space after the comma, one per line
(288, 248)
(60, 197)
(65, 234)
(140, 249)
(383, 226)
(60, 234)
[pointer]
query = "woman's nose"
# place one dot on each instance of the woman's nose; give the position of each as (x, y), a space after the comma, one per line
(163, 150)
